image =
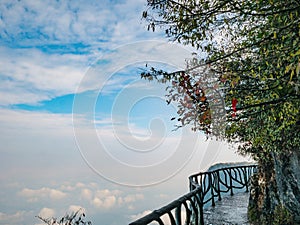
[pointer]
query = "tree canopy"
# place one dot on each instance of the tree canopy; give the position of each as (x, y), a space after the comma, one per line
(250, 59)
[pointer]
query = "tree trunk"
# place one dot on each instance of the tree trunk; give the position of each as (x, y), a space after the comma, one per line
(275, 192)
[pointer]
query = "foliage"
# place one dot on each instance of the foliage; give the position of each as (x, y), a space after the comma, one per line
(252, 49)
(75, 218)
(282, 216)
(195, 91)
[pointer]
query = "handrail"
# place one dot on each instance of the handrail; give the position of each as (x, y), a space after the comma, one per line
(204, 188)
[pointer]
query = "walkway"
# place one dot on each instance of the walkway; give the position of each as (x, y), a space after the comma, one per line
(232, 210)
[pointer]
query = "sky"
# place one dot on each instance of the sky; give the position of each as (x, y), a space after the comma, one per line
(79, 128)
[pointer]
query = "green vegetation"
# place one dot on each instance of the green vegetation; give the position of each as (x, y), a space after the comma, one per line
(252, 61)
(282, 216)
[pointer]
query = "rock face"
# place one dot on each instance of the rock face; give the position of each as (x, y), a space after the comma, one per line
(275, 193)
(287, 168)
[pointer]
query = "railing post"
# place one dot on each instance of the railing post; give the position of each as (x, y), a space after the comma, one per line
(218, 183)
(178, 215)
(246, 178)
(201, 209)
(230, 182)
(211, 189)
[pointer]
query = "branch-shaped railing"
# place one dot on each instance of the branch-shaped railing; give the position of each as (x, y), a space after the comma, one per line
(205, 188)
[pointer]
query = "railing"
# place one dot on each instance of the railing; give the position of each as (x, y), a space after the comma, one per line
(204, 189)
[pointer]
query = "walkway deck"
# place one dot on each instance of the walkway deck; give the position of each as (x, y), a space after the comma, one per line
(232, 210)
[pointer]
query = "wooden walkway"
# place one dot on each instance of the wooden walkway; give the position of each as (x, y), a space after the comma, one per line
(232, 210)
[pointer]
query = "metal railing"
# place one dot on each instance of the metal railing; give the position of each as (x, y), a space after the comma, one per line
(205, 188)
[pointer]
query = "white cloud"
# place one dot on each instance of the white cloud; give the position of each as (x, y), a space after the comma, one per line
(80, 185)
(104, 203)
(86, 194)
(47, 213)
(133, 198)
(69, 21)
(44, 128)
(33, 195)
(21, 119)
(67, 187)
(62, 21)
(109, 201)
(157, 142)
(30, 76)
(15, 218)
(105, 198)
(97, 202)
(56, 194)
(140, 215)
(106, 193)
(61, 32)
(109, 198)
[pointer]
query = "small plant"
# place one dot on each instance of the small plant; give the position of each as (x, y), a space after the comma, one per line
(282, 216)
(75, 218)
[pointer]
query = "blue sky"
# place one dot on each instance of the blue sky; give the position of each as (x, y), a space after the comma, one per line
(79, 128)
